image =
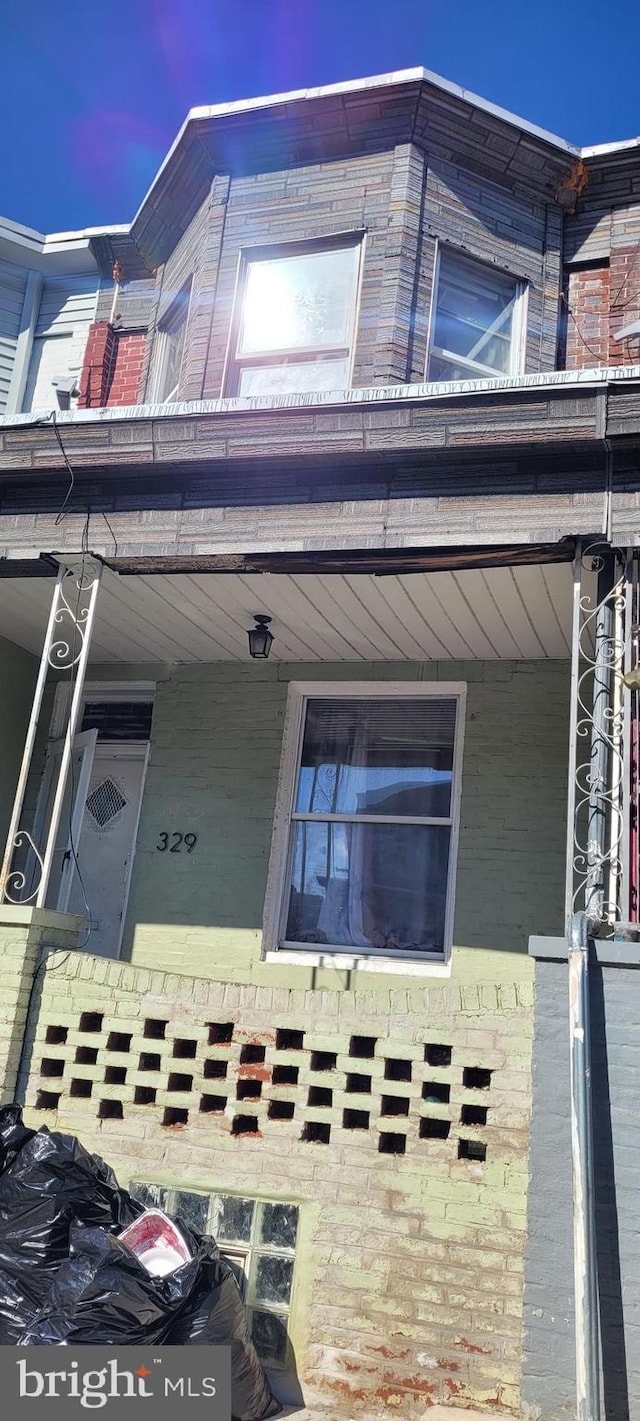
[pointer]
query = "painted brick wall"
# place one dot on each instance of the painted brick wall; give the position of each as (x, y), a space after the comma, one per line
(548, 1373)
(408, 1279)
(215, 755)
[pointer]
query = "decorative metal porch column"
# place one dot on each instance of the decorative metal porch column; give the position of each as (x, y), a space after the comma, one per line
(599, 880)
(66, 648)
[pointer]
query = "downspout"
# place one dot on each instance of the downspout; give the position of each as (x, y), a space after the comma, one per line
(585, 1271)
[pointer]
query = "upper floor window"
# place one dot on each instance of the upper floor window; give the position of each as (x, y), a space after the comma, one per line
(169, 348)
(476, 329)
(294, 321)
(368, 821)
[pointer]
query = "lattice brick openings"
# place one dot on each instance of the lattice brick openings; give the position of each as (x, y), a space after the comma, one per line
(394, 1093)
(395, 1120)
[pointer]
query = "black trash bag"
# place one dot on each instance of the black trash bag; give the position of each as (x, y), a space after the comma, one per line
(13, 1134)
(50, 1183)
(215, 1315)
(104, 1294)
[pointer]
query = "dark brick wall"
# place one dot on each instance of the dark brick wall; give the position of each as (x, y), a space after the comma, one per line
(548, 1364)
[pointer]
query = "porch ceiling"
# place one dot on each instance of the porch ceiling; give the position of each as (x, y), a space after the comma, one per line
(510, 613)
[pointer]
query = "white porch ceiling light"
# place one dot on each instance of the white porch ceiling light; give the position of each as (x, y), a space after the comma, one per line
(260, 638)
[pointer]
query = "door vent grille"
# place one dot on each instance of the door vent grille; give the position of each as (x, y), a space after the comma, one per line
(104, 802)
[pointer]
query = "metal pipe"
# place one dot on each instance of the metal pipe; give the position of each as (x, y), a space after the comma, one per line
(585, 1269)
(36, 706)
(74, 715)
(574, 696)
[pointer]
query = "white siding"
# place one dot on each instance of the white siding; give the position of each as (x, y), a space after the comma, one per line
(67, 303)
(13, 283)
(67, 308)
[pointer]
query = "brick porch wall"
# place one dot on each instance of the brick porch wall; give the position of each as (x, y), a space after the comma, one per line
(408, 1282)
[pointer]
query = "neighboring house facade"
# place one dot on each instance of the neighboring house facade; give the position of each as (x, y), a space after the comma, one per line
(355, 368)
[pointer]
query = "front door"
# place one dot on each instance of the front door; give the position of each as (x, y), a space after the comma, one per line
(106, 841)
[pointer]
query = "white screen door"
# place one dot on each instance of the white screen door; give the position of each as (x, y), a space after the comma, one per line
(72, 812)
(105, 844)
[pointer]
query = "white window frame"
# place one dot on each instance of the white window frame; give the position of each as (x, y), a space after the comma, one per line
(275, 946)
(235, 362)
(180, 307)
(478, 371)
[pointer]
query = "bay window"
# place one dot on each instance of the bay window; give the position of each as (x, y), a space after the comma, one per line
(294, 320)
(476, 326)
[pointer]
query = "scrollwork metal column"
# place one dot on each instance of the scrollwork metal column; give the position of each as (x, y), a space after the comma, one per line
(596, 884)
(66, 648)
(596, 826)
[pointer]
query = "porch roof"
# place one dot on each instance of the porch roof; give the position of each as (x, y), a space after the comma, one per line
(508, 613)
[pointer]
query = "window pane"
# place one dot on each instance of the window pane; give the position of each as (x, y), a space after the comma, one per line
(150, 1195)
(194, 1209)
(269, 1334)
(233, 1218)
(369, 885)
(273, 1280)
(300, 378)
(440, 369)
(279, 1225)
(299, 302)
(474, 314)
(377, 757)
(175, 345)
(118, 720)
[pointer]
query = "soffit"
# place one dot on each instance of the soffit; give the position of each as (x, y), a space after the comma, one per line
(521, 613)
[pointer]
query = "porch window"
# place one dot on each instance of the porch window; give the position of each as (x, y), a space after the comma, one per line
(294, 321)
(477, 321)
(169, 348)
(372, 823)
(258, 1239)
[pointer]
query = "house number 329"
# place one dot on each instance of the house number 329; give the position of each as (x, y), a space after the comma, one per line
(173, 843)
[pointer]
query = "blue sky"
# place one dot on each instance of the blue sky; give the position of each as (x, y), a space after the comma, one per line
(93, 94)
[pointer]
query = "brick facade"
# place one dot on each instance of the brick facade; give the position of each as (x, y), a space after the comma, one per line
(624, 303)
(602, 299)
(127, 368)
(588, 317)
(112, 367)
